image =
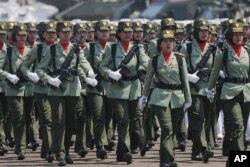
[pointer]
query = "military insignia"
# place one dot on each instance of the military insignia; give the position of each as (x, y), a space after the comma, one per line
(11, 24)
(21, 27)
(203, 22)
(150, 25)
(32, 24)
(127, 24)
(104, 23)
(170, 19)
(51, 25)
(65, 24)
(89, 24)
(2, 27)
(111, 27)
(178, 26)
(138, 24)
(237, 25)
(81, 25)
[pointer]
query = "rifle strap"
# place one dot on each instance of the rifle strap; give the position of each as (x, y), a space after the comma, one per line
(113, 53)
(9, 54)
(189, 52)
(92, 53)
(53, 54)
(39, 55)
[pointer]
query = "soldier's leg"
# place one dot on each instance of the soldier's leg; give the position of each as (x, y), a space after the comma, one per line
(89, 128)
(58, 108)
(180, 132)
(245, 115)
(98, 113)
(109, 123)
(19, 124)
(3, 149)
(45, 122)
(209, 125)
(81, 118)
(121, 111)
(135, 126)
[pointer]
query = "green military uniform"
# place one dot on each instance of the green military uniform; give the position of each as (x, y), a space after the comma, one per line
(40, 91)
(167, 102)
(19, 95)
(94, 53)
(3, 103)
(235, 93)
(64, 100)
(199, 112)
(124, 96)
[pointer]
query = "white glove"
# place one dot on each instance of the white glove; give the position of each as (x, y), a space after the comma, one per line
(221, 74)
(33, 76)
(193, 77)
(93, 82)
(54, 81)
(186, 106)
(142, 102)
(91, 74)
(210, 95)
(12, 78)
(115, 75)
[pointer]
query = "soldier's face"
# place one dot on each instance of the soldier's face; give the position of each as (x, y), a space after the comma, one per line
(49, 36)
(167, 45)
(21, 39)
(203, 35)
(112, 38)
(179, 36)
(138, 35)
(213, 38)
(237, 38)
(3, 37)
(81, 36)
(246, 31)
(32, 35)
(91, 36)
(65, 36)
(102, 35)
(126, 36)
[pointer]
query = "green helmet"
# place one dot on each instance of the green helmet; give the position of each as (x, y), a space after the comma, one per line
(167, 22)
(102, 25)
(64, 26)
(201, 24)
(243, 21)
(3, 28)
(125, 26)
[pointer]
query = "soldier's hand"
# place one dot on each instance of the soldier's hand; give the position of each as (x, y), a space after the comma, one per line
(187, 105)
(115, 75)
(221, 74)
(91, 74)
(12, 78)
(55, 81)
(92, 82)
(193, 78)
(142, 102)
(210, 95)
(32, 76)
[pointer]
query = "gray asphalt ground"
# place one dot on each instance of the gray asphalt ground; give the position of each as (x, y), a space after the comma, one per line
(151, 159)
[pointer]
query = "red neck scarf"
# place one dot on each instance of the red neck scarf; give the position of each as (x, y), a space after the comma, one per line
(49, 43)
(11, 43)
(1, 45)
(83, 45)
(65, 46)
(237, 49)
(103, 43)
(167, 57)
(31, 43)
(202, 45)
(21, 49)
(125, 46)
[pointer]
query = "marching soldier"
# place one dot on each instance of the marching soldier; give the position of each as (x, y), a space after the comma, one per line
(199, 112)
(61, 67)
(91, 32)
(235, 90)
(10, 26)
(112, 33)
(125, 87)
(168, 74)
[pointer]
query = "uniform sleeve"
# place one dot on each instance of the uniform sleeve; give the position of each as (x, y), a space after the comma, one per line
(29, 60)
(84, 67)
(148, 78)
(215, 70)
(143, 58)
(152, 48)
(185, 82)
(105, 66)
(3, 73)
(42, 67)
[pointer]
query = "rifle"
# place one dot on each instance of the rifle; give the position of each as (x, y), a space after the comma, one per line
(63, 72)
(178, 44)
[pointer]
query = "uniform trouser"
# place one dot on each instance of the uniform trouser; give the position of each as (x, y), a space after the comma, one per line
(20, 107)
(197, 119)
(45, 123)
(168, 119)
(148, 125)
(96, 105)
(7, 123)
(108, 118)
(80, 125)
(3, 111)
(30, 122)
(121, 109)
(181, 132)
(236, 113)
(89, 125)
(63, 110)
(136, 127)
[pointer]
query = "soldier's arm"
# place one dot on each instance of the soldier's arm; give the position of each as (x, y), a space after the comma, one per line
(148, 78)
(83, 67)
(86, 52)
(143, 58)
(29, 60)
(105, 66)
(42, 67)
(3, 73)
(185, 82)
(152, 48)
(215, 70)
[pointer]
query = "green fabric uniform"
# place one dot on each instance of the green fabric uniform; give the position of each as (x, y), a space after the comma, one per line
(166, 103)
(235, 96)
(199, 113)
(123, 99)
(63, 103)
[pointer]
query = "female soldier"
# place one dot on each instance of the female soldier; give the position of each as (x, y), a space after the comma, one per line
(121, 64)
(168, 74)
(17, 89)
(235, 93)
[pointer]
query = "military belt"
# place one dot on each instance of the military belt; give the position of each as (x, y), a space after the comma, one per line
(162, 85)
(71, 72)
(130, 77)
(236, 80)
